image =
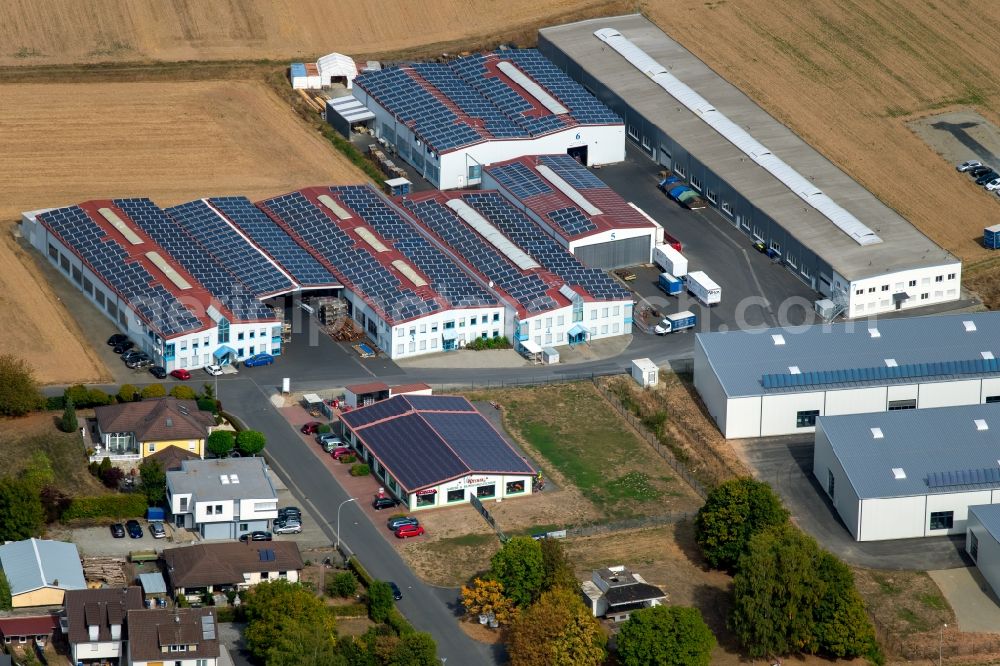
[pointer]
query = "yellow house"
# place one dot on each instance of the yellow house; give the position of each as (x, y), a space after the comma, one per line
(133, 431)
(40, 571)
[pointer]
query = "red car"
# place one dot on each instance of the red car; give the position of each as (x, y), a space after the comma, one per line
(409, 531)
(310, 428)
(340, 451)
(180, 373)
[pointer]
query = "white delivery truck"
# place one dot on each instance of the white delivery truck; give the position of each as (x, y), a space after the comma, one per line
(670, 260)
(703, 288)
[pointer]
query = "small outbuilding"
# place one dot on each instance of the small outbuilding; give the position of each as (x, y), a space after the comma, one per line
(645, 372)
(40, 571)
(615, 592)
(337, 68)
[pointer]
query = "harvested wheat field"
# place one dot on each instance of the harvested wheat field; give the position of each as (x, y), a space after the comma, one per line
(848, 75)
(170, 141)
(60, 31)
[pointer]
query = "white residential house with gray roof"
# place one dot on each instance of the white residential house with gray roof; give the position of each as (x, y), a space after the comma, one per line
(905, 474)
(776, 381)
(222, 498)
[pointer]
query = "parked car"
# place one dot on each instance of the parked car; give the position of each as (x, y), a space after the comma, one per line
(341, 451)
(157, 531)
(625, 274)
(134, 529)
(213, 370)
(395, 523)
(118, 531)
(289, 526)
(992, 185)
(969, 164)
(258, 359)
(290, 513)
(117, 338)
(396, 593)
(976, 172)
(181, 373)
(158, 371)
(987, 177)
(407, 531)
(310, 427)
(140, 360)
(380, 503)
(324, 437)
(257, 535)
(123, 347)
(130, 353)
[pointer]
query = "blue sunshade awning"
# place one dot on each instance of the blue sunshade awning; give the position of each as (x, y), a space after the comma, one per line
(577, 330)
(224, 351)
(449, 335)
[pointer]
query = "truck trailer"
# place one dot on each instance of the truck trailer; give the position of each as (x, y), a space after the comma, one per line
(676, 322)
(670, 260)
(704, 288)
(670, 284)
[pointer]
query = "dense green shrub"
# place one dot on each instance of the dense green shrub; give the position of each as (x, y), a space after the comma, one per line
(323, 429)
(348, 459)
(68, 422)
(479, 344)
(182, 392)
(206, 404)
(359, 569)
(360, 469)
(132, 505)
(343, 584)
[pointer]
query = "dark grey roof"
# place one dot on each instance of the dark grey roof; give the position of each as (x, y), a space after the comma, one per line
(989, 516)
(940, 450)
(903, 245)
(742, 358)
(633, 593)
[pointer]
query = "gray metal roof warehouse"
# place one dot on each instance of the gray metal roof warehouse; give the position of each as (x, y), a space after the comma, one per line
(923, 346)
(596, 64)
(871, 446)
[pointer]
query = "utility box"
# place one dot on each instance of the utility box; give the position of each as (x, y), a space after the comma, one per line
(991, 237)
(549, 355)
(645, 372)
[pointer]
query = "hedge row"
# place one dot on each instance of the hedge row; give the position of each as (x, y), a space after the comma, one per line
(395, 620)
(355, 565)
(132, 505)
(350, 610)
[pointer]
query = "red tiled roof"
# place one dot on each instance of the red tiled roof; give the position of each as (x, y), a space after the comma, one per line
(370, 387)
(28, 626)
(157, 419)
(409, 388)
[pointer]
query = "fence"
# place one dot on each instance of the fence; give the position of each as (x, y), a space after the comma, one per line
(630, 524)
(516, 382)
(932, 645)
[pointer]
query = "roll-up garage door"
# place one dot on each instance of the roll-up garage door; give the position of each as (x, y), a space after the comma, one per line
(615, 254)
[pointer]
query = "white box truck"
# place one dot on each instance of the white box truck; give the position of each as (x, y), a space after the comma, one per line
(703, 288)
(670, 260)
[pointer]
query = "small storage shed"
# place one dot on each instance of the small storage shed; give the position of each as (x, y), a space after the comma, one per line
(645, 372)
(297, 74)
(991, 237)
(398, 186)
(549, 355)
(153, 585)
(359, 395)
(337, 68)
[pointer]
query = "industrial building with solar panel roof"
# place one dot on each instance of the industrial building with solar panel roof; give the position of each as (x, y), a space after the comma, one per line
(432, 451)
(776, 381)
(448, 120)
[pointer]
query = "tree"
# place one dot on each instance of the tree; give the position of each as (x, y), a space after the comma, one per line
(486, 596)
(665, 636)
(775, 592)
(558, 571)
(18, 389)
(417, 649)
(733, 513)
(128, 393)
(5, 600)
(220, 443)
(97, 397)
(21, 512)
(153, 391)
(68, 421)
(279, 614)
(154, 481)
(557, 630)
(842, 625)
(79, 394)
(343, 584)
(518, 566)
(380, 601)
(250, 442)
(182, 392)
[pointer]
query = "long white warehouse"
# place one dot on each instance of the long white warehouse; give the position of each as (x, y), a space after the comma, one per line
(778, 381)
(899, 475)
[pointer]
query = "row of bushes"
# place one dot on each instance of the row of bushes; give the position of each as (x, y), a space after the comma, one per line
(129, 505)
(83, 397)
(480, 344)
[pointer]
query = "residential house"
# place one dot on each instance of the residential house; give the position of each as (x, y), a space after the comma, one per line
(212, 567)
(40, 572)
(222, 498)
(171, 457)
(615, 592)
(23, 630)
(174, 637)
(131, 431)
(94, 623)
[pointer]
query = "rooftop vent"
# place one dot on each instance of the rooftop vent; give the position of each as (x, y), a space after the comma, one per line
(234, 478)
(170, 422)
(890, 363)
(970, 326)
(778, 339)
(224, 479)
(877, 433)
(981, 424)
(898, 473)
(987, 355)
(873, 332)
(794, 370)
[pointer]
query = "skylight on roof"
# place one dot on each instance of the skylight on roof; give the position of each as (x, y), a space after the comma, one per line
(987, 355)
(336, 208)
(877, 433)
(970, 326)
(168, 270)
(495, 237)
(778, 339)
(407, 270)
(120, 225)
(224, 479)
(560, 184)
(794, 370)
(873, 332)
(370, 238)
(890, 363)
(981, 424)
(898, 473)
(532, 88)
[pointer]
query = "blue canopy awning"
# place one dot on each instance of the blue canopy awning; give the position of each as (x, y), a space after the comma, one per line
(577, 331)
(224, 351)
(449, 335)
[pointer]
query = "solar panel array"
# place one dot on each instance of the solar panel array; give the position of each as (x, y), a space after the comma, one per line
(521, 181)
(222, 284)
(528, 289)
(262, 230)
(977, 366)
(431, 403)
(532, 239)
(412, 451)
(446, 277)
(572, 220)
(383, 409)
(575, 174)
(964, 477)
(109, 260)
(481, 94)
(229, 248)
(477, 443)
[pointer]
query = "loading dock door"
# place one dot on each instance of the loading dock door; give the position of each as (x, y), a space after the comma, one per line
(663, 156)
(615, 254)
(579, 153)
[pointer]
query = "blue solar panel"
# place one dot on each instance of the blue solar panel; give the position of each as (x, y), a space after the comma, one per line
(521, 181)
(220, 282)
(583, 106)
(439, 403)
(476, 442)
(964, 477)
(362, 416)
(262, 230)
(229, 248)
(108, 259)
(525, 233)
(412, 451)
(574, 173)
(882, 373)
(572, 220)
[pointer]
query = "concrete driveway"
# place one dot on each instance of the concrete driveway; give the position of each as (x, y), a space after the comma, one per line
(786, 463)
(976, 607)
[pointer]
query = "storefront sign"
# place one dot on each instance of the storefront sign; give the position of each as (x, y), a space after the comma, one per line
(429, 491)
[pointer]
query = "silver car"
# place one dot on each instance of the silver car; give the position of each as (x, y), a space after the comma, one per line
(157, 531)
(289, 526)
(969, 164)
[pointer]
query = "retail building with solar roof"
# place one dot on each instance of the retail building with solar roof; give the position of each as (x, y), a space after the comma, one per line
(576, 208)
(432, 451)
(777, 381)
(552, 298)
(905, 474)
(450, 119)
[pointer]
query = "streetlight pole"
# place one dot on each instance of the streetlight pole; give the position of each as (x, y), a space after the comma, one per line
(941, 643)
(352, 499)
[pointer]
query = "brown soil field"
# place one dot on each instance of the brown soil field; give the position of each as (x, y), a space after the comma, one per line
(60, 31)
(848, 75)
(171, 142)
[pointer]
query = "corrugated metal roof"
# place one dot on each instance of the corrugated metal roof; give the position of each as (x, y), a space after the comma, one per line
(742, 358)
(35, 563)
(939, 450)
(989, 516)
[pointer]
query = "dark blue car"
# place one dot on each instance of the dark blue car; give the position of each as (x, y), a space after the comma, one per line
(258, 359)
